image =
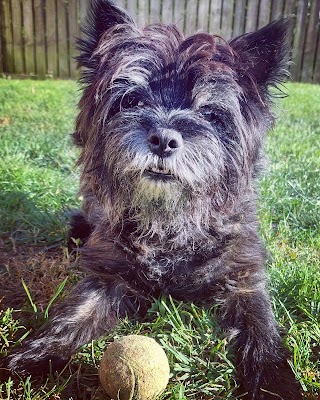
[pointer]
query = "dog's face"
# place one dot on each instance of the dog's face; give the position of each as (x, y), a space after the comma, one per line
(166, 120)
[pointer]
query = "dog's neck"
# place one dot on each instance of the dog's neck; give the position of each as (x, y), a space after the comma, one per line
(192, 227)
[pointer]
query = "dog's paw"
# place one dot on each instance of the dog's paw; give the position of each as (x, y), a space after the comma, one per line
(24, 362)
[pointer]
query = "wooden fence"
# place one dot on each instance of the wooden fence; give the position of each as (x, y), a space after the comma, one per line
(37, 37)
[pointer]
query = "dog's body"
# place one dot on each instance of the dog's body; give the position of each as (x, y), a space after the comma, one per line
(171, 131)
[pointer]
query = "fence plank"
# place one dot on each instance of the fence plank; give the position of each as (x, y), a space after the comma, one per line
(83, 10)
(299, 37)
(154, 12)
(264, 13)
(215, 17)
(146, 13)
(316, 71)
(179, 13)
(140, 14)
(17, 36)
(73, 34)
(197, 15)
(252, 16)
(63, 48)
(122, 3)
(40, 47)
(8, 39)
(289, 11)
(239, 18)
(28, 38)
(190, 21)
(289, 8)
(203, 18)
(51, 38)
(310, 46)
(227, 19)
(277, 10)
(131, 7)
(167, 12)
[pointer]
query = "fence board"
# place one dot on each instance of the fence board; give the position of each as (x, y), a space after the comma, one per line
(239, 18)
(51, 38)
(264, 13)
(167, 11)
(83, 9)
(215, 17)
(310, 46)
(203, 15)
(63, 49)
(140, 7)
(122, 3)
(73, 33)
(277, 9)
(17, 36)
(179, 13)
(40, 46)
(153, 12)
(252, 16)
(190, 25)
(316, 71)
(299, 37)
(289, 8)
(131, 6)
(8, 40)
(227, 19)
(28, 38)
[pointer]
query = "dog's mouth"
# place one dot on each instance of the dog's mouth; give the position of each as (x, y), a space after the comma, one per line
(159, 173)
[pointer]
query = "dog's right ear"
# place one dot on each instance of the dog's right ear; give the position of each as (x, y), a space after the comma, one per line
(103, 15)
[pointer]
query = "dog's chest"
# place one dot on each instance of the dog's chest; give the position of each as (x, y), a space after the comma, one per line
(180, 273)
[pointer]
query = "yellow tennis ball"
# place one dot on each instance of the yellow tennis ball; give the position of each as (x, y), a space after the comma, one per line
(134, 368)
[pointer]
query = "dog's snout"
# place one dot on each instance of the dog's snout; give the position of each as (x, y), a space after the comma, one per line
(164, 142)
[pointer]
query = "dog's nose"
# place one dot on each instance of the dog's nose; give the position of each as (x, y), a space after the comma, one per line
(164, 142)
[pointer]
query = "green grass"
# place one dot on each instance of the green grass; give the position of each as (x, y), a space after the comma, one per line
(38, 185)
(37, 160)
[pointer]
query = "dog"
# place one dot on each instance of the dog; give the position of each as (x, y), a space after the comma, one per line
(171, 131)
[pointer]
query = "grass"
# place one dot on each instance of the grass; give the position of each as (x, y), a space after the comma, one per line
(38, 187)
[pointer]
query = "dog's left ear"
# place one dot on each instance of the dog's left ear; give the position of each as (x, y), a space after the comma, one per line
(263, 56)
(103, 15)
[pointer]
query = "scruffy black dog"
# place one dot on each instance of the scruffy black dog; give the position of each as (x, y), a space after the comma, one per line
(171, 131)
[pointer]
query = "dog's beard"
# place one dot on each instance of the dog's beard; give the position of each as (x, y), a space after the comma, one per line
(167, 209)
(167, 197)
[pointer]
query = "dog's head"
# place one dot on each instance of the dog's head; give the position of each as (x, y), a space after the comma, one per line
(165, 119)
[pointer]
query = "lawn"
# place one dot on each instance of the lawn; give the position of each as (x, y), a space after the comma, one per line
(38, 188)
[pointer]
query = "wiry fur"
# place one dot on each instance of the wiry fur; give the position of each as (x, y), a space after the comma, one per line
(171, 131)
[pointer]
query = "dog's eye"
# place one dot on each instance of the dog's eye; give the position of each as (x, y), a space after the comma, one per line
(130, 101)
(212, 116)
(125, 103)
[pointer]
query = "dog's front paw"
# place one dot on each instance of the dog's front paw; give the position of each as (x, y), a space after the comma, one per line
(277, 382)
(25, 362)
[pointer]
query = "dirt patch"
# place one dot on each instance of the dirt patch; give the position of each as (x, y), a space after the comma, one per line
(42, 270)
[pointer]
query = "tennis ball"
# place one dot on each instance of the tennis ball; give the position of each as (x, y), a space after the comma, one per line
(134, 368)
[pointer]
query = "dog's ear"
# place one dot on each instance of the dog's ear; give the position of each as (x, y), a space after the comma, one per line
(103, 15)
(263, 56)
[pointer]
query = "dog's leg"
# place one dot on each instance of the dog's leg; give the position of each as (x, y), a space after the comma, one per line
(261, 357)
(80, 228)
(92, 309)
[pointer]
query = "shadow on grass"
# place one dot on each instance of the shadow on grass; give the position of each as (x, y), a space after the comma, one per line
(23, 221)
